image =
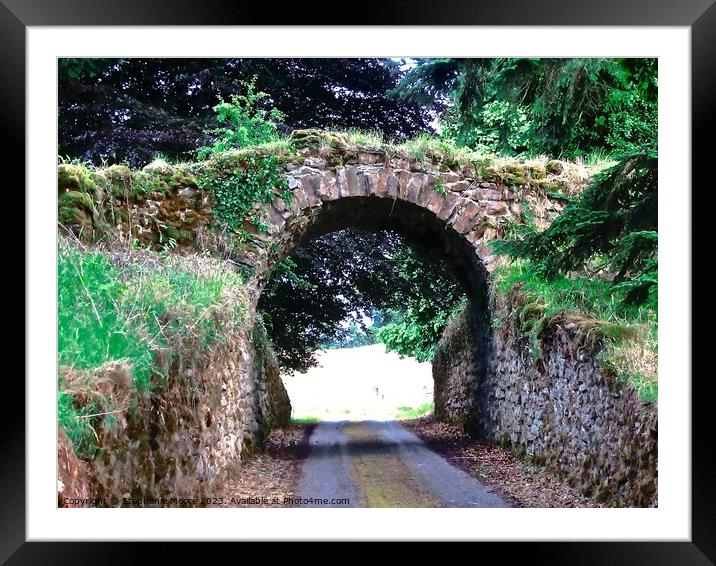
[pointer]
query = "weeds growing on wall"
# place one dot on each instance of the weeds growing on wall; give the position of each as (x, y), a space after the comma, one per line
(245, 122)
(258, 181)
(597, 259)
(628, 332)
(121, 309)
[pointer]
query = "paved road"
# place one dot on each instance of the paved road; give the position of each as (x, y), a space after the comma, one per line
(382, 464)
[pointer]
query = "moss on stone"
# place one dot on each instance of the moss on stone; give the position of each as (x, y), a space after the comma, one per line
(118, 173)
(515, 169)
(68, 216)
(80, 178)
(68, 176)
(491, 173)
(120, 180)
(184, 178)
(99, 181)
(160, 167)
(536, 171)
(317, 138)
(554, 166)
(76, 210)
(514, 179)
(75, 199)
(144, 183)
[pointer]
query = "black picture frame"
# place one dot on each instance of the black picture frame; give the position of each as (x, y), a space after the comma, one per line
(699, 15)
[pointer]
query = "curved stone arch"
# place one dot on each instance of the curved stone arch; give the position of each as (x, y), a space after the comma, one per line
(446, 211)
(471, 198)
(455, 209)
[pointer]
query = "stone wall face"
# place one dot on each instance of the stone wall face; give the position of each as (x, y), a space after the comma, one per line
(561, 410)
(456, 374)
(182, 440)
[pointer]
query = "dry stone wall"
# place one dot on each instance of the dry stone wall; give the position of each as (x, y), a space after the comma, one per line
(560, 410)
(457, 370)
(183, 439)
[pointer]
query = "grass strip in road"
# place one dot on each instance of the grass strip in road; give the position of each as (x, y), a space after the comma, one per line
(381, 477)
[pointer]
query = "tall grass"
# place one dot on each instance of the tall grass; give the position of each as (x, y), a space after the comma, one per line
(404, 413)
(125, 308)
(590, 295)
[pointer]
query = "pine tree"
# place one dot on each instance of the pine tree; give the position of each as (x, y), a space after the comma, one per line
(611, 226)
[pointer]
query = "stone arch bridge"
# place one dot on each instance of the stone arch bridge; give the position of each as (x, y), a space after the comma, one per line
(451, 205)
(560, 411)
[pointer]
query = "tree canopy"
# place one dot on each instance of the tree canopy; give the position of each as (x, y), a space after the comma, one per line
(348, 275)
(134, 109)
(612, 226)
(557, 107)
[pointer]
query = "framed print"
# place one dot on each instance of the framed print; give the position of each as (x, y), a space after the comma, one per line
(409, 262)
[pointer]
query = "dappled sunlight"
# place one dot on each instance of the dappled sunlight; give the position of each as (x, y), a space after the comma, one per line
(365, 383)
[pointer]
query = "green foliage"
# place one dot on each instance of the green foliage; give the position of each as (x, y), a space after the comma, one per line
(628, 332)
(332, 282)
(417, 329)
(404, 413)
(92, 325)
(559, 107)
(440, 187)
(584, 294)
(258, 179)
(612, 225)
(236, 193)
(247, 124)
(306, 420)
(505, 128)
(354, 337)
(85, 68)
(111, 308)
(415, 334)
(427, 304)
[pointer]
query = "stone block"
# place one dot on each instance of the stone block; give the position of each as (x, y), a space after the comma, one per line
(466, 217)
(498, 209)
(449, 204)
(415, 184)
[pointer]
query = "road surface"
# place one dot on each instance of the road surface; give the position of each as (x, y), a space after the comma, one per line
(382, 464)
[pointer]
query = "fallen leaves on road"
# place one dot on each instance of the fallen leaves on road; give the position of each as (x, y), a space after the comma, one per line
(524, 484)
(273, 473)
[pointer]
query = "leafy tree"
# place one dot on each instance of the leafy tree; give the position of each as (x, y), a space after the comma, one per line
(247, 123)
(426, 305)
(132, 109)
(560, 107)
(342, 277)
(354, 337)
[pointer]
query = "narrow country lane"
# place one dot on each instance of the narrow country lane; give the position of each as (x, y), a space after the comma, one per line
(382, 464)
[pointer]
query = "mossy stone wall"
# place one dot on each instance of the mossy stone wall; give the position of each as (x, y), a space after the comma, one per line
(560, 410)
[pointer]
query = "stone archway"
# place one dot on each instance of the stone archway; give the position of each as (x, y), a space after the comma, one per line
(453, 204)
(450, 203)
